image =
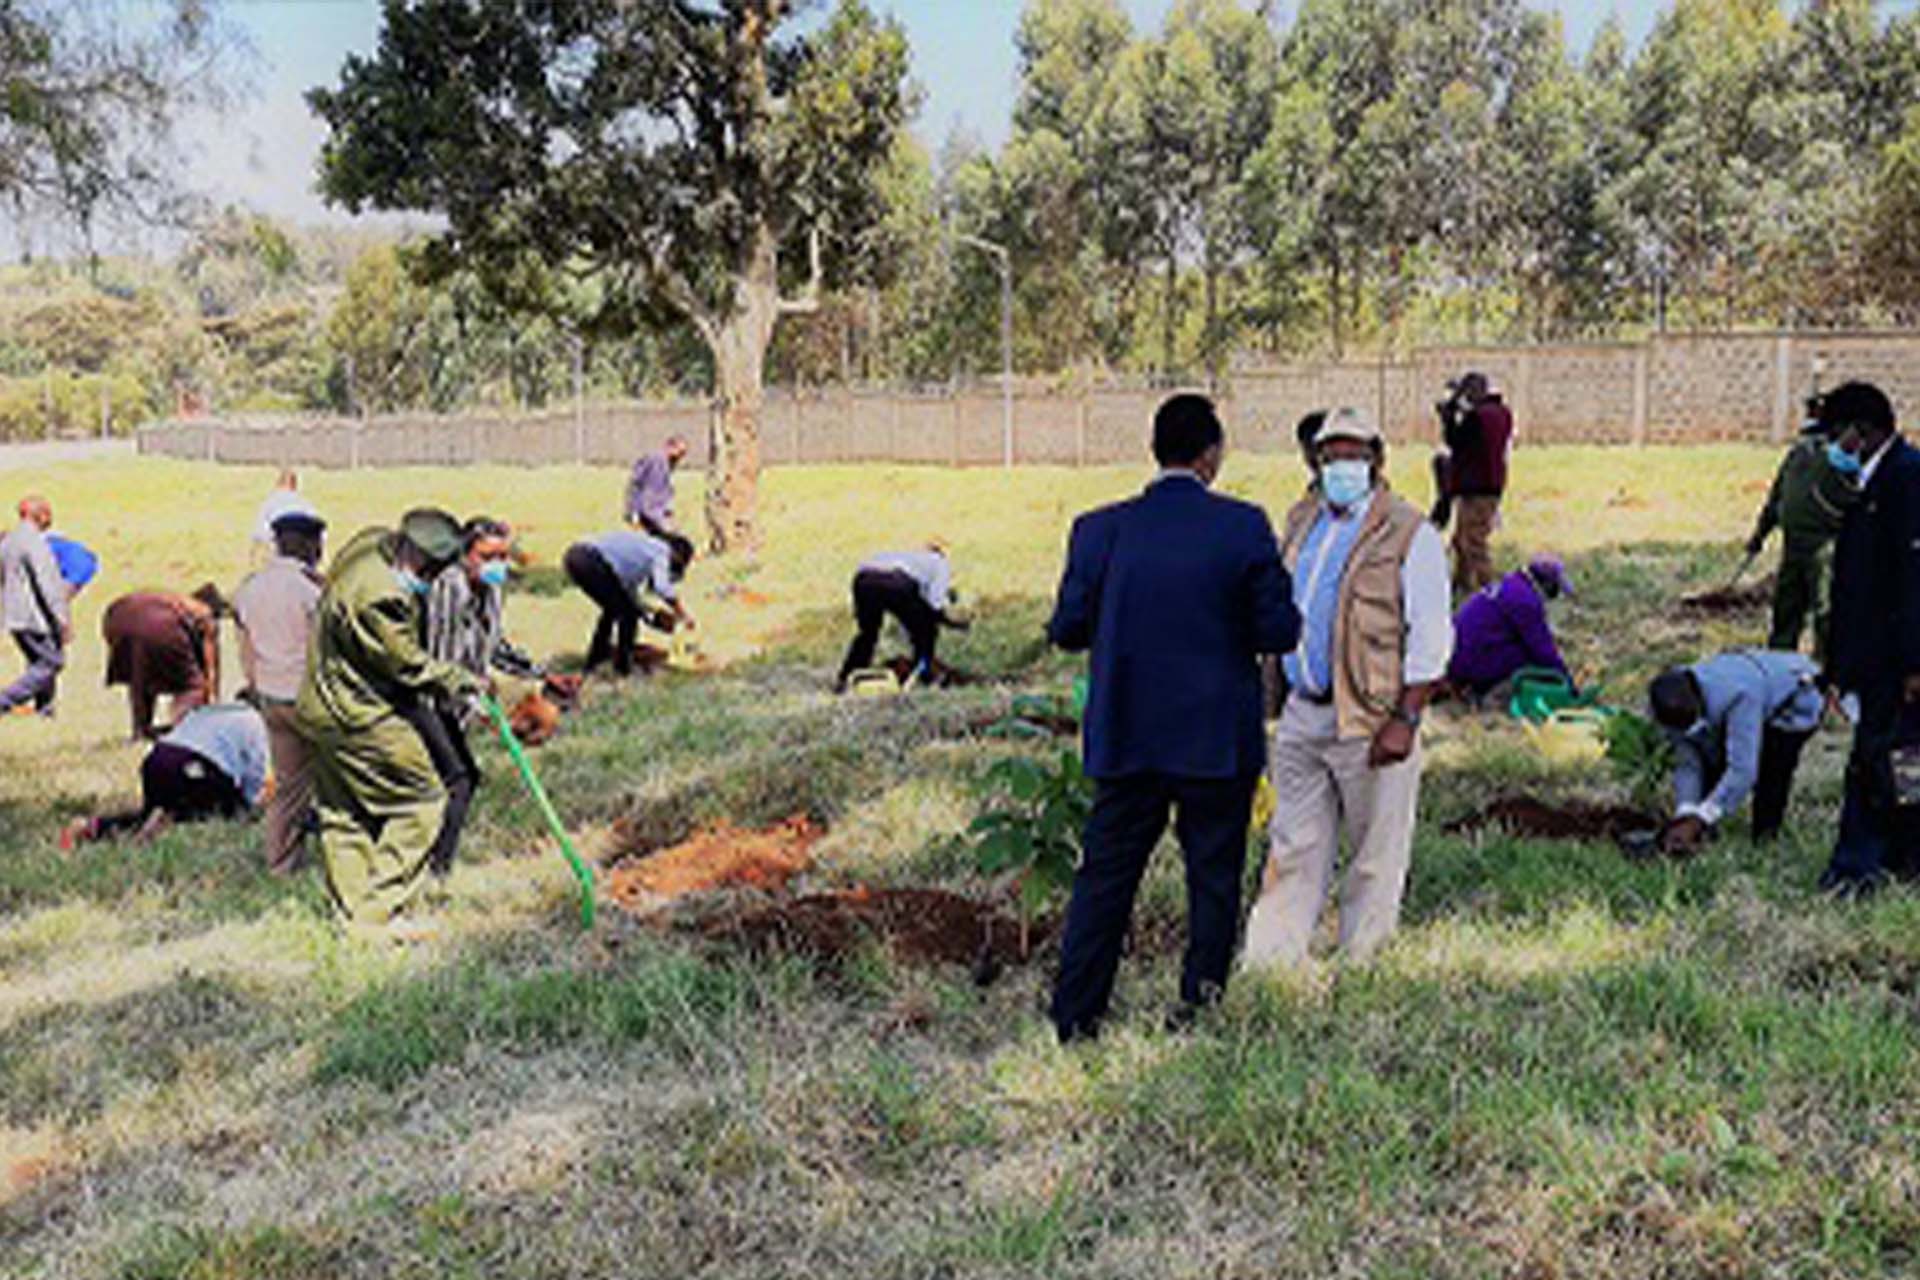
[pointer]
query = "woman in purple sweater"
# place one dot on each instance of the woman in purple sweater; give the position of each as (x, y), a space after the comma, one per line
(1504, 628)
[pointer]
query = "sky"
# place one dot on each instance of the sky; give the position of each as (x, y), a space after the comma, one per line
(262, 155)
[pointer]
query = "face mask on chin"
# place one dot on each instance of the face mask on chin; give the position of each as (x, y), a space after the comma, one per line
(410, 582)
(494, 573)
(1347, 481)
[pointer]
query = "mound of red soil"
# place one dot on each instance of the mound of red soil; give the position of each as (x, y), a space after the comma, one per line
(919, 926)
(1755, 596)
(535, 720)
(722, 856)
(1526, 816)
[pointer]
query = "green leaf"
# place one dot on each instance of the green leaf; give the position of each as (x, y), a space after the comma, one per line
(1003, 851)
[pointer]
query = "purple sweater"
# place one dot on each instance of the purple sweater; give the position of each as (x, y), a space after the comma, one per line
(1498, 631)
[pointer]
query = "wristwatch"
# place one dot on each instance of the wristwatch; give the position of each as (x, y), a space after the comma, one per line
(1411, 719)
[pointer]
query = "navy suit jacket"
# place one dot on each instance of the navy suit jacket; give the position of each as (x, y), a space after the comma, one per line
(1175, 592)
(1873, 637)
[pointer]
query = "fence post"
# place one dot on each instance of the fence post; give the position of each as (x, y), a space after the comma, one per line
(353, 445)
(955, 444)
(1642, 357)
(1080, 427)
(1782, 392)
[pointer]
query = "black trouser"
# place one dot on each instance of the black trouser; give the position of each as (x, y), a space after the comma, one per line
(453, 760)
(1210, 818)
(1779, 758)
(877, 593)
(185, 784)
(1878, 837)
(619, 611)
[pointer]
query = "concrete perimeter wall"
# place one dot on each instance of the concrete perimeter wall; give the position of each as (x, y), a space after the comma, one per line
(1671, 389)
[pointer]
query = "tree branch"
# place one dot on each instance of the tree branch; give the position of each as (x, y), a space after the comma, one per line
(808, 302)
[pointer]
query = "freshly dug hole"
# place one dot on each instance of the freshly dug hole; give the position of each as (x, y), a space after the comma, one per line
(918, 926)
(1536, 819)
(1755, 596)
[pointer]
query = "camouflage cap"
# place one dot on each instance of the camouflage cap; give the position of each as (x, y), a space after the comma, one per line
(434, 532)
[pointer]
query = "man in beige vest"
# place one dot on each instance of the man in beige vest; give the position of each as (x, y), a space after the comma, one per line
(1370, 581)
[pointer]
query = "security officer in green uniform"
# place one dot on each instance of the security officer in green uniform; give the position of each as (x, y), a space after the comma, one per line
(379, 797)
(1806, 503)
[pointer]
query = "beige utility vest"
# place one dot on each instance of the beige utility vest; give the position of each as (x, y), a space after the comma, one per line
(1370, 627)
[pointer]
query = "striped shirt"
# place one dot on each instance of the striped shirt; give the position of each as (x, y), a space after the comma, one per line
(464, 625)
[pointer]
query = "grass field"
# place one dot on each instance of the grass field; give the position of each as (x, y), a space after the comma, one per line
(1567, 1065)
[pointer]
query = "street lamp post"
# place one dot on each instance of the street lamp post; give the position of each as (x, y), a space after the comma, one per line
(1005, 259)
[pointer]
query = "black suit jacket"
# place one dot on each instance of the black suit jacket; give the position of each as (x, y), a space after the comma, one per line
(1175, 592)
(1873, 637)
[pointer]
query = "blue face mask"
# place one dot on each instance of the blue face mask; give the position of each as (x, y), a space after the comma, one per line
(494, 573)
(1842, 461)
(1347, 481)
(411, 584)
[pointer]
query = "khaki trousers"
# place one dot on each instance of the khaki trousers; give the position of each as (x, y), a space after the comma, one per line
(1474, 520)
(292, 789)
(1321, 784)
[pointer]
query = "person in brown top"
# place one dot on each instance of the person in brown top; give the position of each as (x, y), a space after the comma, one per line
(162, 643)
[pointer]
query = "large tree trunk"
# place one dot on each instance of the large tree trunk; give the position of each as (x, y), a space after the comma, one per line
(739, 344)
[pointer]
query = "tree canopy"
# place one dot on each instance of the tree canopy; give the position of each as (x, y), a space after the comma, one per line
(89, 98)
(623, 166)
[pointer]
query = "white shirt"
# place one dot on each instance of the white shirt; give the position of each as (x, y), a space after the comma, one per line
(233, 739)
(927, 568)
(1873, 464)
(1427, 601)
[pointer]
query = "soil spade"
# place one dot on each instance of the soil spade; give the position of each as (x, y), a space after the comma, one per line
(1741, 572)
(581, 872)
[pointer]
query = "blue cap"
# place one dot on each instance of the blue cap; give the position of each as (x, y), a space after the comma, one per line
(77, 564)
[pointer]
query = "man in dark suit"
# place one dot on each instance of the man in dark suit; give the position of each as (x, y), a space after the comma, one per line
(1873, 639)
(1174, 592)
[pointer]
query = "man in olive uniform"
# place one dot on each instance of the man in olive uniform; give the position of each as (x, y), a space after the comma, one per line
(1806, 503)
(380, 799)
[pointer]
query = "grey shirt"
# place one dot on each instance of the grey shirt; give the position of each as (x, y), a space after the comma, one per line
(638, 560)
(650, 492)
(1746, 693)
(33, 595)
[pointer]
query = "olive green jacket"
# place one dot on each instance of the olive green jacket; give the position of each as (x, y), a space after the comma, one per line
(1808, 499)
(366, 655)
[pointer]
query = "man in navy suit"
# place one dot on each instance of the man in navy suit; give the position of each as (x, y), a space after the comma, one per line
(1174, 593)
(1873, 638)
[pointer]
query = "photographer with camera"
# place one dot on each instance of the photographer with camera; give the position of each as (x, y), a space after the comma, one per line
(1477, 427)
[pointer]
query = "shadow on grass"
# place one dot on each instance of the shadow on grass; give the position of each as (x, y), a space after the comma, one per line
(1007, 643)
(209, 871)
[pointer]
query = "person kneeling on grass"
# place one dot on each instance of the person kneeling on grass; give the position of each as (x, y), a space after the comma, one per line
(612, 569)
(914, 586)
(213, 764)
(1504, 627)
(369, 685)
(1738, 723)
